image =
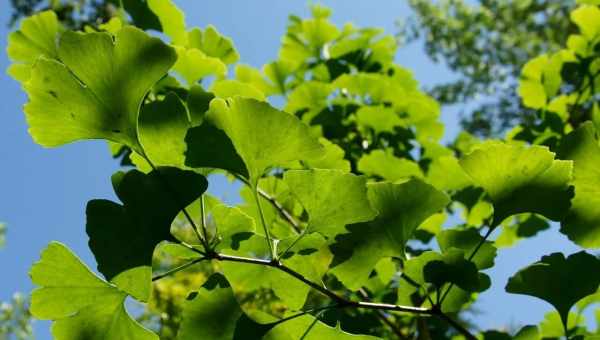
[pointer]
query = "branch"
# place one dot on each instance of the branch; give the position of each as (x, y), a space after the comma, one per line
(341, 301)
(179, 268)
(384, 318)
(282, 211)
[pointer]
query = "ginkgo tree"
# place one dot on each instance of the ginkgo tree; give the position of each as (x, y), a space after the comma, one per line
(356, 222)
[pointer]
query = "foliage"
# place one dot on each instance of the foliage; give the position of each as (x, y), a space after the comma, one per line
(486, 43)
(346, 184)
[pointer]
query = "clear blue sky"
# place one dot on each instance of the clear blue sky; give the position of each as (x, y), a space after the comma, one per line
(43, 192)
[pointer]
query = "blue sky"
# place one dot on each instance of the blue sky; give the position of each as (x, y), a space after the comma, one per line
(43, 192)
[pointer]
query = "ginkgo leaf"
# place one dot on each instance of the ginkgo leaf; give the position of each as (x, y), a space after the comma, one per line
(521, 179)
(307, 327)
(209, 147)
(248, 74)
(311, 259)
(213, 44)
(123, 237)
(582, 223)
(262, 135)
(379, 118)
(587, 18)
(162, 129)
(213, 313)
(198, 102)
(452, 268)
(172, 20)
(402, 208)
(97, 88)
(237, 232)
(194, 65)
(37, 36)
(468, 241)
(461, 273)
(309, 97)
(82, 305)
(388, 166)
(333, 158)
(445, 173)
(332, 198)
(141, 15)
(228, 88)
(558, 280)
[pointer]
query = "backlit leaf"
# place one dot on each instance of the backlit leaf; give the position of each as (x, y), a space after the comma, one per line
(80, 303)
(95, 91)
(521, 179)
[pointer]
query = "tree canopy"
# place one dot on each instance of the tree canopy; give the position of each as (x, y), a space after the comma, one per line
(356, 221)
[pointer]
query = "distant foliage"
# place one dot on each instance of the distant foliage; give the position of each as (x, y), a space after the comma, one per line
(356, 222)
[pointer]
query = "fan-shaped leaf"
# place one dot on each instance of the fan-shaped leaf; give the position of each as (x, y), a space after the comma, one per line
(81, 304)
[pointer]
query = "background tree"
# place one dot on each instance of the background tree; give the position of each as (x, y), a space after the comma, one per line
(487, 43)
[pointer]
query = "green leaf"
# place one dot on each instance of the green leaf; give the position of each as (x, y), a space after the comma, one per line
(307, 327)
(97, 88)
(194, 65)
(213, 44)
(238, 233)
(123, 237)
(213, 313)
(262, 135)
(209, 147)
(452, 268)
(402, 208)
(331, 198)
(467, 241)
(162, 129)
(37, 36)
(333, 158)
(228, 88)
(310, 96)
(445, 173)
(552, 327)
(172, 20)
(81, 304)
(558, 280)
(387, 166)
(141, 15)
(198, 102)
(587, 18)
(582, 223)
(379, 118)
(520, 179)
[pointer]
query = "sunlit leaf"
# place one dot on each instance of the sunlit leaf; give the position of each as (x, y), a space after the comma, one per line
(81, 304)
(262, 135)
(332, 198)
(97, 88)
(582, 223)
(402, 208)
(521, 179)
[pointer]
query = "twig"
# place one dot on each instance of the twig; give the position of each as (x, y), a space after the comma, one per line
(177, 269)
(383, 317)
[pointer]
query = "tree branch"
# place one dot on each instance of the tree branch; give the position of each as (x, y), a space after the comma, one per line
(384, 318)
(341, 301)
(177, 269)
